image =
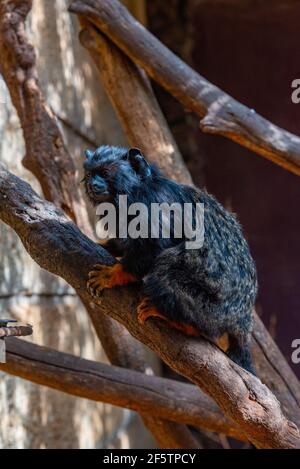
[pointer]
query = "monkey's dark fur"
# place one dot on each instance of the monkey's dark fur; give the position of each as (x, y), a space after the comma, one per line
(212, 288)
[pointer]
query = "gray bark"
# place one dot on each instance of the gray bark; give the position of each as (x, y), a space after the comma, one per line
(33, 416)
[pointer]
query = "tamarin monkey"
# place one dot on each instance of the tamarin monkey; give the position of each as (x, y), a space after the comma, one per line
(207, 291)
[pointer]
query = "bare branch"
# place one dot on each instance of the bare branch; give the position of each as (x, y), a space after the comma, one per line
(46, 155)
(159, 397)
(57, 245)
(220, 113)
(145, 126)
(135, 104)
(121, 78)
(48, 159)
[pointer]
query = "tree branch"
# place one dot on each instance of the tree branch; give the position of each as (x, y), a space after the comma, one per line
(98, 321)
(15, 331)
(158, 397)
(48, 159)
(122, 78)
(57, 245)
(139, 114)
(220, 113)
(46, 155)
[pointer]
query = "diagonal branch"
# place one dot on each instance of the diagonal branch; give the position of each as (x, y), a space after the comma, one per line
(145, 127)
(158, 397)
(46, 155)
(135, 104)
(48, 159)
(58, 245)
(121, 77)
(220, 113)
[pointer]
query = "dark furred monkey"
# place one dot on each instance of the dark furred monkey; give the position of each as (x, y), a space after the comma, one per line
(210, 290)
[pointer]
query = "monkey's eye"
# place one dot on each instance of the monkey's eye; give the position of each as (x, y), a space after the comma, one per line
(103, 173)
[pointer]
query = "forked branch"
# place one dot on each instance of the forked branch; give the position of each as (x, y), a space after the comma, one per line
(58, 245)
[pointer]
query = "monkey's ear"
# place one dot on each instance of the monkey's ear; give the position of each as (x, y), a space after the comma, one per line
(138, 162)
(88, 154)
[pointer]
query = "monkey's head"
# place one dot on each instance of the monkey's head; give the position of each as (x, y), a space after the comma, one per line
(110, 171)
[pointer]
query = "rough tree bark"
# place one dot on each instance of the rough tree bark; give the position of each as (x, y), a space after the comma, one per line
(139, 114)
(135, 104)
(32, 295)
(43, 142)
(49, 160)
(59, 246)
(152, 395)
(220, 113)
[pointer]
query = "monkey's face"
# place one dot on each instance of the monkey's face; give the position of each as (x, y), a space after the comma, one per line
(110, 171)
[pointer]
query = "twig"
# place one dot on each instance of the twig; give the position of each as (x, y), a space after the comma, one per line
(15, 331)
(69, 125)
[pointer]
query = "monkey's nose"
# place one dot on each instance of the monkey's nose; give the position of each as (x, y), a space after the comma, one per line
(99, 186)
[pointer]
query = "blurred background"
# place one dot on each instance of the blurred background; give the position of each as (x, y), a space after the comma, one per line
(249, 48)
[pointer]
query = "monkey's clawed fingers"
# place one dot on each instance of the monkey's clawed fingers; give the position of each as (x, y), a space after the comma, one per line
(99, 279)
(107, 276)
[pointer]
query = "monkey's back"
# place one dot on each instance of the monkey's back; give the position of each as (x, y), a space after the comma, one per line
(213, 287)
(230, 272)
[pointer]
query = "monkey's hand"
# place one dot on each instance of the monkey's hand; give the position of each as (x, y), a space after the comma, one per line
(107, 276)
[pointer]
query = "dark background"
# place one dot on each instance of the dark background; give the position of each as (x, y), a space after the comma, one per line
(250, 49)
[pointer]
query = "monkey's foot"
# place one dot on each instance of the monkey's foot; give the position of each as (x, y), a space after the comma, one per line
(107, 276)
(146, 310)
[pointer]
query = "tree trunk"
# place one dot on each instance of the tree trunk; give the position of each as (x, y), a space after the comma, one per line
(33, 416)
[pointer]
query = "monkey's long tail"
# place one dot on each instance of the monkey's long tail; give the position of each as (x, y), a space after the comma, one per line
(239, 352)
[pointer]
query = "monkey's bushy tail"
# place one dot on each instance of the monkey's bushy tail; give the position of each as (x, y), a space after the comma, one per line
(239, 352)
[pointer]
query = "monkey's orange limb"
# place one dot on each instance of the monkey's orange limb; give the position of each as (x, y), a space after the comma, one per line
(105, 276)
(145, 311)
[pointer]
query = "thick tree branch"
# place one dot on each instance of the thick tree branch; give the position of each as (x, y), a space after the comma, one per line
(49, 160)
(159, 397)
(46, 155)
(220, 113)
(60, 247)
(122, 78)
(145, 127)
(135, 104)
(97, 318)
(275, 372)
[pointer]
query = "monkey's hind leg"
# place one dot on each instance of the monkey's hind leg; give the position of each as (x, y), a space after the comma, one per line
(146, 310)
(107, 276)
